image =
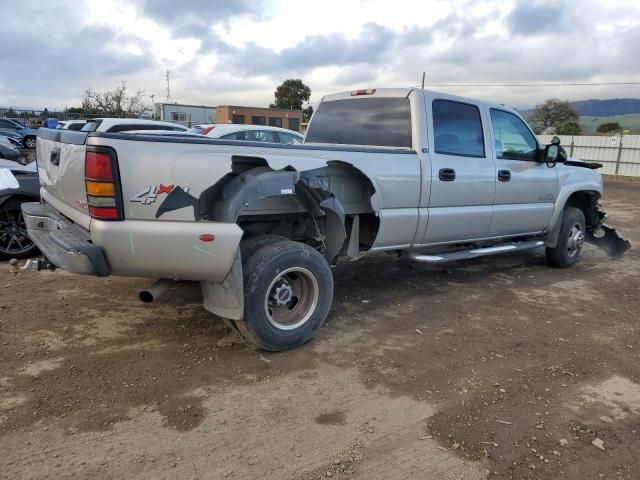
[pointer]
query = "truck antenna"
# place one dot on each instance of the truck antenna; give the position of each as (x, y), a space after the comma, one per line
(423, 78)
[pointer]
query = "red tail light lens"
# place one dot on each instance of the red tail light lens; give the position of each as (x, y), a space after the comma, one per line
(98, 166)
(104, 213)
(102, 184)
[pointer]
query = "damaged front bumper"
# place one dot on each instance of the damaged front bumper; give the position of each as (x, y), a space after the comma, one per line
(607, 238)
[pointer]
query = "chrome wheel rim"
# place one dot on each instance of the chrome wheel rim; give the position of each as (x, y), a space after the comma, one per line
(13, 232)
(291, 298)
(576, 240)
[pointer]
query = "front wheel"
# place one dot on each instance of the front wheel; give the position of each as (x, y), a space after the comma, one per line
(570, 240)
(288, 289)
(14, 241)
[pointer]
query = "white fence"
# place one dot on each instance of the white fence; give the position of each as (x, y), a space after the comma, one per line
(619, 154)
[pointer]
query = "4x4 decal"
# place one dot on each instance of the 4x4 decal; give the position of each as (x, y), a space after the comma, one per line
(150, 194)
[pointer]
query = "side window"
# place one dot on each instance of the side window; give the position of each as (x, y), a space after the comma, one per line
(235, 136)
(457, 129)
(260, 136)
(258, 120)
(512, 138)
(288, 138)
(7, 124)
(128, 127)
(238, 119)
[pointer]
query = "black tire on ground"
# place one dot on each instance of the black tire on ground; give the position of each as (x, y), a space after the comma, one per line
(29, 141)
(288, 291)
(570, 240)
(14, 242)
(252, 244)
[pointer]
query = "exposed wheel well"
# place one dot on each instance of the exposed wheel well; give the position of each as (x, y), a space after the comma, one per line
(587, 202)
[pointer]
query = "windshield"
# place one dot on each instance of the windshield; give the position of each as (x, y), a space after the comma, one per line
(383, 122)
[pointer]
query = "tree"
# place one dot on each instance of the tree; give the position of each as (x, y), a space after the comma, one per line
(115, 103)
(552, 113)
(609, 127)
(292, 93)
(569, 128)
(307, 113)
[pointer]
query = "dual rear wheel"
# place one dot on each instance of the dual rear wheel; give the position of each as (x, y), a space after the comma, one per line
(288, 291)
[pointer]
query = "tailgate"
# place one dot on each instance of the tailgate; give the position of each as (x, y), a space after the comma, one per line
(60, 156)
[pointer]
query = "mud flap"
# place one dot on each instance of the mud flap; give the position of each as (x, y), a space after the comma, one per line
(611, 241)
(226, 299)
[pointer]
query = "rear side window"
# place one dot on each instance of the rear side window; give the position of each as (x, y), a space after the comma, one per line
(457, 129)
(91, 126)
(382, 122)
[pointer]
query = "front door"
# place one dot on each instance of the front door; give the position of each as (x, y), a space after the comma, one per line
(526, 189)
(462, 173)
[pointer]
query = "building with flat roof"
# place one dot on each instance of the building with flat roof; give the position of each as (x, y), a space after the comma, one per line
(187, 115)
(274, 117)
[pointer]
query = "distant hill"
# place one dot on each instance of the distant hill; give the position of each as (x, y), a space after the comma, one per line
(601, 108)
(605, 108)
(630, 122)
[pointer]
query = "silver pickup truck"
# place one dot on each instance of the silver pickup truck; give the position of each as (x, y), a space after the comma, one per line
(430, 176)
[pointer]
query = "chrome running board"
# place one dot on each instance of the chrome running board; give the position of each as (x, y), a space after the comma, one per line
(475, 252)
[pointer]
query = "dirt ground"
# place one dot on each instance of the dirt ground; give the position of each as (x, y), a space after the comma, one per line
(498, 368)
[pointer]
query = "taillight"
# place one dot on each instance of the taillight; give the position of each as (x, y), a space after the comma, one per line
(102, 184)
(356, 93)
(207, 130)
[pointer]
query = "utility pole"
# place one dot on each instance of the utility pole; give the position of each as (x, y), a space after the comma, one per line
(168, 86)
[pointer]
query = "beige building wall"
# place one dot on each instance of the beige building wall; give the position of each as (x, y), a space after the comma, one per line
(274, 117)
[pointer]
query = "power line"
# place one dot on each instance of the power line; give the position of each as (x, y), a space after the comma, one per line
(583, 84)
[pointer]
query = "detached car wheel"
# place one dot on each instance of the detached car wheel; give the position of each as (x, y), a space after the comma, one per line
(14, 241)
(570, 240)
(288, 289)
(30, 142)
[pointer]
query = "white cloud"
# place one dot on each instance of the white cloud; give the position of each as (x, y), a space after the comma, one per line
(237, 52)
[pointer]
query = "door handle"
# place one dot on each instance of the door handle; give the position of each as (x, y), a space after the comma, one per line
(504, 175)
(447, 174)
(55, 156)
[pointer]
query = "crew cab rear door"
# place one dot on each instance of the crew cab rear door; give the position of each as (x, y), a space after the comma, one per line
(526, 189)
(462, 172)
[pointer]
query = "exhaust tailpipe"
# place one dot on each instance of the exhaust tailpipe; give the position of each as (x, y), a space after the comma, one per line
(154, 291)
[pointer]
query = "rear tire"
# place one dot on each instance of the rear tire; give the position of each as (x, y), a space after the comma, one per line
(570, 240)
(288, 291)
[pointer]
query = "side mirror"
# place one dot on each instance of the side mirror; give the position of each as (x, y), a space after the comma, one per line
(552, 154)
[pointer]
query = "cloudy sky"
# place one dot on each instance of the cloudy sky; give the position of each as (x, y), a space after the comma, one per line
(237, 51)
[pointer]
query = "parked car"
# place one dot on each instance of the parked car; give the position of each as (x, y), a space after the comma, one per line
(8, 149)
(427, 176)
(28, 134)
(248, 133)
(14, 138)
(71, 124)
(18, 184)
(114, 125)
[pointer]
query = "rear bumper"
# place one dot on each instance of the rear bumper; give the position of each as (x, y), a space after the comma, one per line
(63, 243)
